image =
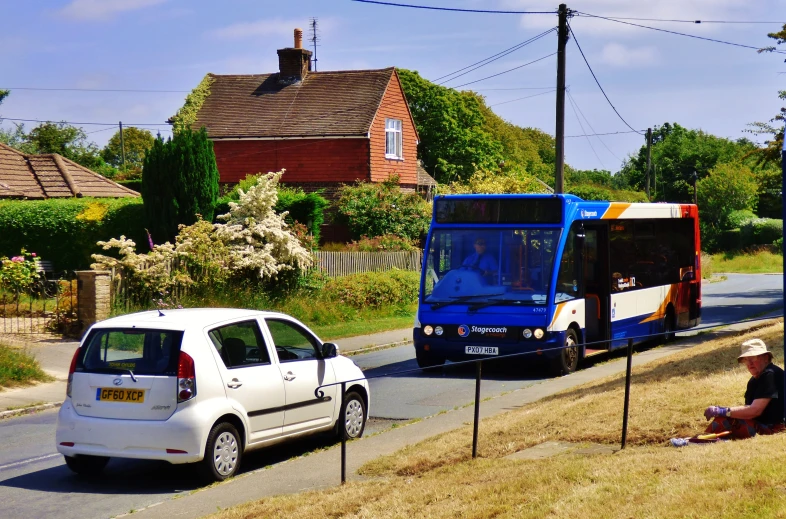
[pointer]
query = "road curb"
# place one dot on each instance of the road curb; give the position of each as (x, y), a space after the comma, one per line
(372, 348)
(29, 410)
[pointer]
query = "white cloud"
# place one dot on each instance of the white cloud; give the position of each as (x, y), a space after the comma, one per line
(618, 55)
(93, 10)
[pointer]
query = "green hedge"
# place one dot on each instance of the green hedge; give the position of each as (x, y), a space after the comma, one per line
(759, 231)
(374, 289)
(65, 231)
(135, 184)
(601, 193)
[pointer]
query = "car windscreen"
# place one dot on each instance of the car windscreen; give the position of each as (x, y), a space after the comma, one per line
(141, 351)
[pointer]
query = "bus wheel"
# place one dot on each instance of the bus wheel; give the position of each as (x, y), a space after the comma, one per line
(568, 358)
(427, 360)
(668, 326)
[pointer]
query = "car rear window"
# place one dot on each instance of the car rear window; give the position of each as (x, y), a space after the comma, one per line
(144, 352)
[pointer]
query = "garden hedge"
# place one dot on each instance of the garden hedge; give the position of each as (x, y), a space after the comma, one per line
(65, 231)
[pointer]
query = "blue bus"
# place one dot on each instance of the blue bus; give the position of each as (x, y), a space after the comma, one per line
(554, 275)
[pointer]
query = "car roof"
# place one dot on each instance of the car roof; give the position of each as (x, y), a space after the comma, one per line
(181, 319)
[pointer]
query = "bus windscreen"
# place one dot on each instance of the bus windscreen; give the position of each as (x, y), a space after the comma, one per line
(499, 211)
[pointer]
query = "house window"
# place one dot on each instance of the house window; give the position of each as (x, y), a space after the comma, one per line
(393, 139)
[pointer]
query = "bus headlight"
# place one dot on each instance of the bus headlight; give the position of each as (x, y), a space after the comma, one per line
(538, 333)
(438, 330)
(527, 333)
(428, 330)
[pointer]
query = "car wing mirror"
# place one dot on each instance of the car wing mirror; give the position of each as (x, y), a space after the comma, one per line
(329, 350)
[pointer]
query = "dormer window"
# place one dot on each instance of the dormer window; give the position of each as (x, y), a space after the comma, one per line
(393, 148)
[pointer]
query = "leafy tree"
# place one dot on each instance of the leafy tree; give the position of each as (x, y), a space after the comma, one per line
(771, 153)
(179, 182)
(17, 138)
(676, 153)
(136, 142)
(3, 95)
(727, 188)
(453, 140)
(379, 209)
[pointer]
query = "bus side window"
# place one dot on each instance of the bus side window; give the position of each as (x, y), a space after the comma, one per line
(567, 279)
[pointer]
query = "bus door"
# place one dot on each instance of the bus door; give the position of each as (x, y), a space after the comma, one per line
(597, 288)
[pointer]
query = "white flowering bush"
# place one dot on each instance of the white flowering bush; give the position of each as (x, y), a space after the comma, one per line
(257, 237)
(255, 242)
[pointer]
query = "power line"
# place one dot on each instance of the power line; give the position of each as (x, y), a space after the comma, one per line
(515, 88)
(491, 59)
(506, 71)
(75, 123)
(573, 106)
(577, 107)
(605, 133)
(679, 33)
(526, 97)
(453, 9)
(685, 21)
(98, 90)
(596, 80)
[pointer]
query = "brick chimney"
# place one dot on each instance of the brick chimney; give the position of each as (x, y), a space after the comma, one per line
(294, 63)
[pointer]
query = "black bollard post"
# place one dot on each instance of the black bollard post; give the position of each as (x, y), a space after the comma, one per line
(343, 424)
(627, 394)
(477, 410)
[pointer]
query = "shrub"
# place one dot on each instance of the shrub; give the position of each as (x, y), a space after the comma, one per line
(65, 231)
(600, 193)
(761, 231)
(374, 289)
(388, 242)
(18, 273)
(737, 219)
(377, 209)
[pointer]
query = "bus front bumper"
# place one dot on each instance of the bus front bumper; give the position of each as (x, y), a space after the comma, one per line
(455, 350)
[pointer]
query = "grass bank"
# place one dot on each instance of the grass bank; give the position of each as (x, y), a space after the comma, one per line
(17, 367)
(437, 477)
(751, 262)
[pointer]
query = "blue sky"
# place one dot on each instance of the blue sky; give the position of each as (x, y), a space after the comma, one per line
(651, 77)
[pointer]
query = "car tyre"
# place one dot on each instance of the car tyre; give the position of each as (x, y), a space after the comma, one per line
(668, 326)
(568, 359)
(223, 453)
(427, 360)
(86, 466)
(352, 419)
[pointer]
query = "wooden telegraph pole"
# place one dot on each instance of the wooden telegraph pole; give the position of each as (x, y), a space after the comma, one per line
(649, 161)
(559, 163)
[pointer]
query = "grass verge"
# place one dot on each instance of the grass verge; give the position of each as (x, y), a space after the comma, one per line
(756, 262)
(17, 367)
(437, 478)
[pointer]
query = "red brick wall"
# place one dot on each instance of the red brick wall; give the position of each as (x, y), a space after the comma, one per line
(306, 160)
(394, 106)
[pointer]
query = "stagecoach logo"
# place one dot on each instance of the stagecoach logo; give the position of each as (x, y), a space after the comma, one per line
(588, 214)
(463, 330)
(118, 381)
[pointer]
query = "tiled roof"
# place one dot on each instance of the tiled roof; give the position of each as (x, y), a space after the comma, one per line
(51, 176)
(341, 103)
(424, 179)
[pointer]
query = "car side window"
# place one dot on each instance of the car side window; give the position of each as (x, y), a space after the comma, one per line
(240, 344)
(292, 342)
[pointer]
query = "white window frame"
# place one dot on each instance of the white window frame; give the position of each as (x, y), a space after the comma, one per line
(393, 130)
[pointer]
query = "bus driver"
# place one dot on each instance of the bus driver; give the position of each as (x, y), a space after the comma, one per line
(482, 261)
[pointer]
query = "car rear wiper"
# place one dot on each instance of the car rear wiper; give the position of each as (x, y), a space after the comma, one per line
(461, 299)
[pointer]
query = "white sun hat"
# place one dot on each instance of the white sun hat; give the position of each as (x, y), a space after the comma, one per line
(753, 348)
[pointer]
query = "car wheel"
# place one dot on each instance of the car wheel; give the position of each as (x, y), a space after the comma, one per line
(87, 466)
(352, 419)
(568, 359)
(223, 452)
(427, 360)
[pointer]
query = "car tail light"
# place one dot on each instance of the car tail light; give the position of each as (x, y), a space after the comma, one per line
(186, 378)
(71, 372)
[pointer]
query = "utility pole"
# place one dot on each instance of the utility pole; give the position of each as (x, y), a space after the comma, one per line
(649, 161)
(562, 40)
(122, 145)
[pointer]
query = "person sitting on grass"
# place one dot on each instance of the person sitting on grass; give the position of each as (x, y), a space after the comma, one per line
(763, 410)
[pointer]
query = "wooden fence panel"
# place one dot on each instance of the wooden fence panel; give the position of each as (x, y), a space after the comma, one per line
(337, 264)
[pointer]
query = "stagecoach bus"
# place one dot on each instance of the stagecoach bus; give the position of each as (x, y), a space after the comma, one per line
(554, 275)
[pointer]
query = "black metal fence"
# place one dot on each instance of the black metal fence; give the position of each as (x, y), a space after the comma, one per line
(49, 304)
(478, 378)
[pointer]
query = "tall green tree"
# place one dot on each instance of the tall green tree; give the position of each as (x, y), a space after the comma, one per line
(136, 142)
(3, 95)
(453, 141)
(69, 141)
(179, 183)
(771, 152)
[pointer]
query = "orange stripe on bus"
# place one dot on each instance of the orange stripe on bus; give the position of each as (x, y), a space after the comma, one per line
(615, 210)
(556, 313)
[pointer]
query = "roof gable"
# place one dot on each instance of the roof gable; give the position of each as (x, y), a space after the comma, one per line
(51, 176)
(323, 104)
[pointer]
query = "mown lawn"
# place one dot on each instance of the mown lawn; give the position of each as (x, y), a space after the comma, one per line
(437, 477)
(758, 262)
(17, 367)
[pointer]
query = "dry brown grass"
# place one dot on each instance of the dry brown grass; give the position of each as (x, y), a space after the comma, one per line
(437, 479)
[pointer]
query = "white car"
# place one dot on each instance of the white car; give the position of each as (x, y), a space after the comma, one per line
(203, 386)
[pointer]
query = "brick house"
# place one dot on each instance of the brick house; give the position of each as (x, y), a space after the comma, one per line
(325, 128)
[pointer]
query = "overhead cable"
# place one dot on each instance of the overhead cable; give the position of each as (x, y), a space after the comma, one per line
(598, 82)
(453, 9)
(75, 123)
(506, 71)
(577, 107)
(98, 90)
(522, 98)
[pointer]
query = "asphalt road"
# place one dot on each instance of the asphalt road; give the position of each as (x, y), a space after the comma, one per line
(34, 481)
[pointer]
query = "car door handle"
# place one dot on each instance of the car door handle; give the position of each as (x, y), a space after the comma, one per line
(234, 384)
(289, 376)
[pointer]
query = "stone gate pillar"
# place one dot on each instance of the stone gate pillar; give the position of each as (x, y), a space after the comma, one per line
(94, 295)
